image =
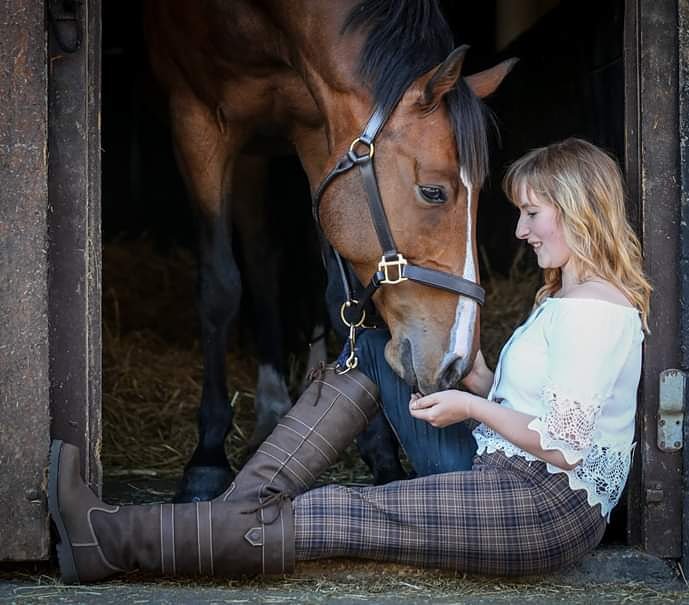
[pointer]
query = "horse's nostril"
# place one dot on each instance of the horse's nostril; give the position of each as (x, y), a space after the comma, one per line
(451, 375)
(407, 362)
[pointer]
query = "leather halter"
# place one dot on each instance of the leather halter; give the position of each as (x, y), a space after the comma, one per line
(393, 268)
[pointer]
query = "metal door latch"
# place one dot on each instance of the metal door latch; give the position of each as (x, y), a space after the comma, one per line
(671, 410)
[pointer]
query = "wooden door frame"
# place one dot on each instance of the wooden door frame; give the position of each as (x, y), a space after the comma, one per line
(50, 262)
(24, 364)
(652, 169)
(74, 226)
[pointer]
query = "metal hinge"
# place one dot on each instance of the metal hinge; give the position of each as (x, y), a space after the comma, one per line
(671, 410)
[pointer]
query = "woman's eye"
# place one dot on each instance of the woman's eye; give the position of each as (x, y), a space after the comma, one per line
(531, 214)
(433, 194)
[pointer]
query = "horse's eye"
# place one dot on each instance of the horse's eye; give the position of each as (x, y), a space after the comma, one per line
(433, 194)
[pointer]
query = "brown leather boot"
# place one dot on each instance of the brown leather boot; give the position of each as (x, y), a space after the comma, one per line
(323, 422)
(203, 538)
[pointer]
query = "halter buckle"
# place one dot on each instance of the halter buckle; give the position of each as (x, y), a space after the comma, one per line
(355, 157)
(384, 266)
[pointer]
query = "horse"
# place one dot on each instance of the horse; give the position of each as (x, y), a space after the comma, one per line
(313, 73)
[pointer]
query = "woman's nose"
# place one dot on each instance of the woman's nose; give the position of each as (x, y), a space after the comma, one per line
(521, 231)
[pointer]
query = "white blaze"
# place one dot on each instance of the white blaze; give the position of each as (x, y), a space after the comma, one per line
(462, 333)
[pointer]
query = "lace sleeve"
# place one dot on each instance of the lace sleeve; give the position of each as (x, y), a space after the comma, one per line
(568, 425)
(587, 346)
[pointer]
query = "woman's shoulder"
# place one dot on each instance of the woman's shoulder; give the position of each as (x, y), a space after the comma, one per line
(597, 290)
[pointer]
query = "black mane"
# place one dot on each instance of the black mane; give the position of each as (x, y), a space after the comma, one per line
(406, 38)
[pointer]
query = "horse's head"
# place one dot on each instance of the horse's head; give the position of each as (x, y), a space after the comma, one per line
(430, 159)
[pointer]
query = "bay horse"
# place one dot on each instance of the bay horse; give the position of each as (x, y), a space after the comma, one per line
(311, 72)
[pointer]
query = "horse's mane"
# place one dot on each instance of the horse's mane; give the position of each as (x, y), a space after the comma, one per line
(405, 39)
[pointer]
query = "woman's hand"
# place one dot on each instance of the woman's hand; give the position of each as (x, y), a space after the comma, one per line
(441, 409)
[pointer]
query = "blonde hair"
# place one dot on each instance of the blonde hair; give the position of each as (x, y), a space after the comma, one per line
(585, 186)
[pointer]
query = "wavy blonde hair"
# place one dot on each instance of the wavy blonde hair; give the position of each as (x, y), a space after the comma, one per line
(585, 186)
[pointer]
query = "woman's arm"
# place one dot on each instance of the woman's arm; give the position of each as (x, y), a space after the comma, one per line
(480, 379)
(448, 407)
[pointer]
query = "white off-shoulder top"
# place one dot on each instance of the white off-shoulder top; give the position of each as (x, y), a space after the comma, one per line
(575, 365)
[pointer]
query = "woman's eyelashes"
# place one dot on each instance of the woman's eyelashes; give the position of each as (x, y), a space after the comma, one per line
(432, 194)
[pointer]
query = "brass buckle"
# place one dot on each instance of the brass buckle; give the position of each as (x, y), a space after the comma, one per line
(358, 141)
(384, 266)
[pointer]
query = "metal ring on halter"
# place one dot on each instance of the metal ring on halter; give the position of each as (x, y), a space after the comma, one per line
(356, 156)
(346, 304)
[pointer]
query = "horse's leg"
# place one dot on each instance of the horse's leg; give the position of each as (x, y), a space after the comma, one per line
(204, 156)
(261, 251)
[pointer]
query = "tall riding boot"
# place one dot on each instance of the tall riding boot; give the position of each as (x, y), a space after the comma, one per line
(323, 422)
(202, 538)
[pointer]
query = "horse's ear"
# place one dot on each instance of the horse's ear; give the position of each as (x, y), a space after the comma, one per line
(440, 80)
(486, 82)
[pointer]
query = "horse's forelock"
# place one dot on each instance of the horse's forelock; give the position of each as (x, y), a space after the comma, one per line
(404, 41)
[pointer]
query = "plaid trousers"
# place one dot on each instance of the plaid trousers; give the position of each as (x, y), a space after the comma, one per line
(505, 516)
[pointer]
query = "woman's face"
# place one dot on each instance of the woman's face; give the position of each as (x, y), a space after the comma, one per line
(539, 225)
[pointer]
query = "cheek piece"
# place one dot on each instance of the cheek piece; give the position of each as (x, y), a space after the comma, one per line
(393, 267)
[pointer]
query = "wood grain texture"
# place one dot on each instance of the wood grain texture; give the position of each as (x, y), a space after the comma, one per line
(24, 371)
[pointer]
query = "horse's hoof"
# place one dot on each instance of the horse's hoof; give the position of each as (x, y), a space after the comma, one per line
(201, 483)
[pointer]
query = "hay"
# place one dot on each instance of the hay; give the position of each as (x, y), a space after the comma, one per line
(152, 365)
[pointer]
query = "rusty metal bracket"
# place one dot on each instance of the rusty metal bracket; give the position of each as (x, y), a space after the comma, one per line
(672, 388)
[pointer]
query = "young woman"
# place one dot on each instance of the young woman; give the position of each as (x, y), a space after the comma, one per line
(553, 444)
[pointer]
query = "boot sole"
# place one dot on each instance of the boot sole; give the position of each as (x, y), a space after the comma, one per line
(65, 556)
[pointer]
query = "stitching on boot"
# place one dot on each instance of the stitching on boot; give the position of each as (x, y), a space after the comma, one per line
(96, 544)
(310, 431)
(174, 558)
(311, 475)
(162, 547)
(198, 539)
(210, 530)
(263, 540)
(304, 484)
(229, 491)
(354, 403)
(316, 447)
(363, 386)
(282, 530)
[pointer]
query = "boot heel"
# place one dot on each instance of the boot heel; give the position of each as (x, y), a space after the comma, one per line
(65, 556)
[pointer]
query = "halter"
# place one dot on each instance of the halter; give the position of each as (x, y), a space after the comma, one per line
(393, 267)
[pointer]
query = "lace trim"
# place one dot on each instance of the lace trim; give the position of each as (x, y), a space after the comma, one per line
(602, 473)
(568, 425)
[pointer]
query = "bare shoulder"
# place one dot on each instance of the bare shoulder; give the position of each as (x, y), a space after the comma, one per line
(599, 290)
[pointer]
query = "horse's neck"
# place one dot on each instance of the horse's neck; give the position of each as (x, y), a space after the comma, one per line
(268, 63)
(328, 63)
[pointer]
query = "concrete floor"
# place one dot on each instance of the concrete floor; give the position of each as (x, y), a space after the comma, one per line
(609, 575)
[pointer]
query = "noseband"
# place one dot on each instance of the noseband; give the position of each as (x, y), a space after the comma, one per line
(393, 267)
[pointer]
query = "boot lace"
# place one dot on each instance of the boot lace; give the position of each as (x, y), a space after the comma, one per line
(276, 497)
